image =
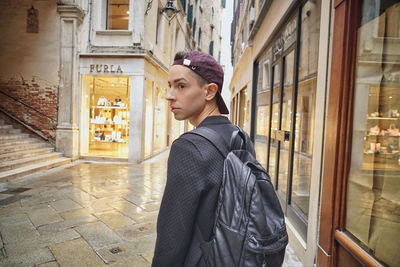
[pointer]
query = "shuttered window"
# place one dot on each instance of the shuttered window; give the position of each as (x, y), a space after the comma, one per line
(211, 52)
(190, 15)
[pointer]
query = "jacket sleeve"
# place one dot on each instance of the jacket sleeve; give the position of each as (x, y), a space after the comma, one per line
(176, 219)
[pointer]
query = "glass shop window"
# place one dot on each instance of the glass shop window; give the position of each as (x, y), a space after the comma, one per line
(373, 187)
(244, 114)
(160, 119)
(117, 14)
(262, 111)
(108, 120)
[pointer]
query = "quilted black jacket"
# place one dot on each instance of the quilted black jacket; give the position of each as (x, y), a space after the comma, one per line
(187, 211)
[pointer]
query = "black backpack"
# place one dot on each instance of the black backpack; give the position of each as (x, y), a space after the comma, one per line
(249, 228)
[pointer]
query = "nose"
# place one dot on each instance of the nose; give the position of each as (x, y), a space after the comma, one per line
(169, 96)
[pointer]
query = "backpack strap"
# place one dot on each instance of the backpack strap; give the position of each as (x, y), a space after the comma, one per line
(214, 138)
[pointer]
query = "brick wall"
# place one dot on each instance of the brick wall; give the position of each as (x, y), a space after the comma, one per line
(31, 101)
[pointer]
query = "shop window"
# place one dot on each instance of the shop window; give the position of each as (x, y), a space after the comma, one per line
(107, 121)
(305, 108)
(148, 138)
(117, 14)
(373, 186)
(263, 111)
(177, 128)
(234, 109)
(244, 118)
(160, 119)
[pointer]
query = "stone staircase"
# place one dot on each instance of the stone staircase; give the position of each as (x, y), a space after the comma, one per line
(22, 153)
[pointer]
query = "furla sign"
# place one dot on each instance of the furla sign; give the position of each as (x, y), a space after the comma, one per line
(105, 68)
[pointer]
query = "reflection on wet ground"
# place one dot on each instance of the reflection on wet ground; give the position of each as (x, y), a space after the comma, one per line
(87, 214)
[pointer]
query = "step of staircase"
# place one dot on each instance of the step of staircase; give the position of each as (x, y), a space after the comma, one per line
(6, 137)
(10, 148)
(7, 126)
(18, 163)
(15, 142)
(9, 131)
(22, 171)
(25, 154)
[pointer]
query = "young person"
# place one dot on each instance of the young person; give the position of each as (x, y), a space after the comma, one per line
(195, 167)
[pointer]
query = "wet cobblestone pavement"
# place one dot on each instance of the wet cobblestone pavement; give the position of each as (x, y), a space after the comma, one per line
(85, 214)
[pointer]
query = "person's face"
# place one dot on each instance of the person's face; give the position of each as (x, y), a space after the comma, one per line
(186, 98)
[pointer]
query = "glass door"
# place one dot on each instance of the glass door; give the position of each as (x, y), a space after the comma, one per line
(282, 110)
(285, 110)
(282, 150)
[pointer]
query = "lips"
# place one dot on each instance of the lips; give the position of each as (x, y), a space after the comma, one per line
(174, 109)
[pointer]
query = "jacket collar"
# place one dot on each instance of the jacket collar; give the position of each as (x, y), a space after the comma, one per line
(212, 120)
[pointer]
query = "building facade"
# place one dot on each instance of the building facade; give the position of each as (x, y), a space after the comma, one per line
(91, 76)
(316, 84)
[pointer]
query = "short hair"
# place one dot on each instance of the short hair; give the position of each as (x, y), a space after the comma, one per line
(200, 80)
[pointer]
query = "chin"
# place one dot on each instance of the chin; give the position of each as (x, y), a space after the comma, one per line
(179, 117)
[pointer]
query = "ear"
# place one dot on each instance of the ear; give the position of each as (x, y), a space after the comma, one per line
(211, 91)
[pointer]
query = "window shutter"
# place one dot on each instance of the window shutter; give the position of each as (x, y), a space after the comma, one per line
(211, 52)
(183, 2)
(190, 15)
(194, 28)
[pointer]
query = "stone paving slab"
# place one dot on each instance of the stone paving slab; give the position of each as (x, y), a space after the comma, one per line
(65, 205)
(100, 205)
(145, 244)
(114, 219)
(4, 196)
(44, 216)
(76, 253)
(36, 200)
(36, 249)
(136, 261)
(62, 225)
(148, 256)
(71, 214)
(13, 219)
(125, 250)
(49, 264)
(133, 232)
(19, 231)
(28, 259)
(135, 212)
(98, 235)
(153, 206)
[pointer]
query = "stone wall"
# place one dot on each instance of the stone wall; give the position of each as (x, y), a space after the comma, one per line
(29, 62)
(34, 104)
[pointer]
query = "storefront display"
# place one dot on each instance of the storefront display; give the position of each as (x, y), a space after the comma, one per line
(108, 123)
(156, 115)
(148, 136)
(373, 185)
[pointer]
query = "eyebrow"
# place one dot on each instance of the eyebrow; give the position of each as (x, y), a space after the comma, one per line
(179, 79)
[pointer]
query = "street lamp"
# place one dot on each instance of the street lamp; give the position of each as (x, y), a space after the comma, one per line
(170, 11)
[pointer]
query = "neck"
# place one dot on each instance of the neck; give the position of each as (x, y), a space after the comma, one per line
(207, 112)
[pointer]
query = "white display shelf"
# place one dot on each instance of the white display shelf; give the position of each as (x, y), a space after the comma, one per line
(382, 118)
(109, 107)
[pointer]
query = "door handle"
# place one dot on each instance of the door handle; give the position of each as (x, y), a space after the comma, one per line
(287, 135)
(282, 135)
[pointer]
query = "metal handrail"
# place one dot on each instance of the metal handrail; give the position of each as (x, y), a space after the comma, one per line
(26, 105)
